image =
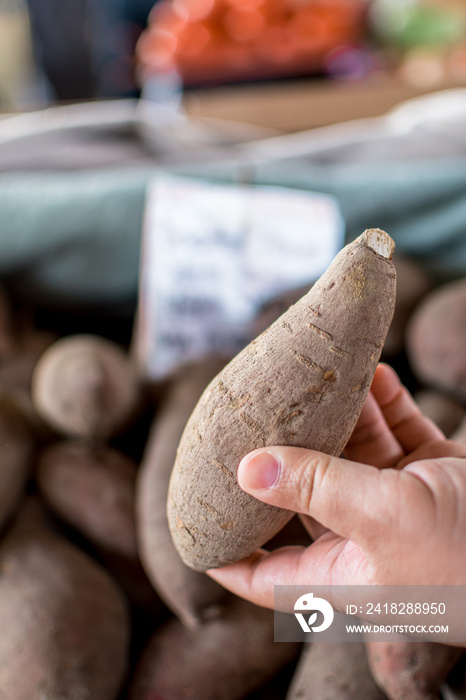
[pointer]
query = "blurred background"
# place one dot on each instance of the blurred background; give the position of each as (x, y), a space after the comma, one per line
(52, 51)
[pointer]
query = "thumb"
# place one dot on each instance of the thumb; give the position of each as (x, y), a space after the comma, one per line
(346, 497)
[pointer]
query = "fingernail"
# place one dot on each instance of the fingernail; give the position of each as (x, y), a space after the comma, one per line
(260, 471)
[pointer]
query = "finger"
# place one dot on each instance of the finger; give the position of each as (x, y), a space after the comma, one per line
(372, 441)
(314, 528)
(348, 498)
(410, 427)
(435, 450)
(255, 577)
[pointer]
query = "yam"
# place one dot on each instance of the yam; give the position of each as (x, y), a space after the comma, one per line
(436, 339)
(64, 628)
(333, 671)
(444, 411)
(411, 670)
(224, 659)
(91, 489)
(303, 382)
(85, 386)
(191, 595)
(459, 435)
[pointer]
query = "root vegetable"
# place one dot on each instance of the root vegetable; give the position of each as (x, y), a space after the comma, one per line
(85, 386)
(191, 595)
(436, 339)
(303, 382)
(459, 435)
(64, 628)
(333, 671)
(411, 670)
(92, 490)
(443, 410)
(224, 659)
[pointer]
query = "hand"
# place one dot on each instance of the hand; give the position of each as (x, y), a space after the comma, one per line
(392, 512)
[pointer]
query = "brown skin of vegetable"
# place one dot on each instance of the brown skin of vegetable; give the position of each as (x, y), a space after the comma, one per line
(436, 339)
(459, 435)
(16, 451)
(64, 628)
(411, 670)
(86, 386)
(224, 659)
(442, 410)
(191, 595)
(303, 382)
(92, 490)
(333, 671)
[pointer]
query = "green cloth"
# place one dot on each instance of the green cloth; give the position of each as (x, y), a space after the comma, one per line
(74, 237)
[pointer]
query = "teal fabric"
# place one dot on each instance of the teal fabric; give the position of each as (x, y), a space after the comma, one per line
(74, 237)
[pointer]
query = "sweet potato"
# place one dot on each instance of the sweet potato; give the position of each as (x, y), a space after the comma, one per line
(85, 386)
(443, 410)
(303, 382)
(191, 595)
(436, 339)
(64, 627)
(224, 659)
(411, 670)
(16, 450)
(459, 435)
(333, 671)
(92, 490)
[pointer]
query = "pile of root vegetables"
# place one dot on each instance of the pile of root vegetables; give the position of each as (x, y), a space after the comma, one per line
(95, 601)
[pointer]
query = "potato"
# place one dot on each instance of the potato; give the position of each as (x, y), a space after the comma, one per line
(414, 670)
(16, 451)
(459, 435)
(333, 671)
(224, 659)
(92, 490)
(64, 627)
(303, 382)
(191, 595)
(85, 386)
(412, 284)
(443, 410)
(436, 339)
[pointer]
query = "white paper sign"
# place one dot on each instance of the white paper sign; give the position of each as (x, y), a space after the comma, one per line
(214, 253)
